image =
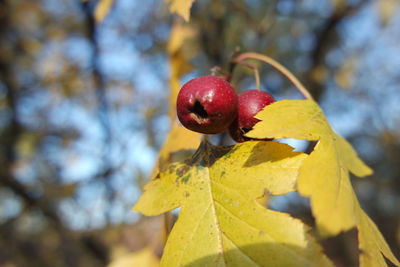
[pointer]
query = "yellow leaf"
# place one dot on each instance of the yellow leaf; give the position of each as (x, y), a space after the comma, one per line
(372, 244)
(319, 74)
(144, 257)
(178, 36)
(387, 9)
(178, 61)
(102, 9)
(221, 222)
(181, 7)
(179, 66)
(339, 4)
(344, 76)
(179, 138)
(303, 119)
(324, 174)
(326, 181)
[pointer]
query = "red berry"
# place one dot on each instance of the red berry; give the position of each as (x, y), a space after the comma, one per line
(207, 104)
(250, 103)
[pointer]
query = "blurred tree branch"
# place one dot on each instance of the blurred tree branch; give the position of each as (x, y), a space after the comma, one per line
(103, 106)
(326, 38)
(9, 138)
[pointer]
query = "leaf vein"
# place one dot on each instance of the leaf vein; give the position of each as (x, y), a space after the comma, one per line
(194, 231)
(277, 243)
(219, 236)
(240, 250)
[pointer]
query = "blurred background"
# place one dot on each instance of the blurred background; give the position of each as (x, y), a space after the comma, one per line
(84, 111)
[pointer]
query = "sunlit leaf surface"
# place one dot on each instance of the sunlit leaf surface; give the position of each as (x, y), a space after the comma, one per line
(221, 223)
(324, 175)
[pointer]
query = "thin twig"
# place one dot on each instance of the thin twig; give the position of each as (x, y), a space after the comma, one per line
(256, 73)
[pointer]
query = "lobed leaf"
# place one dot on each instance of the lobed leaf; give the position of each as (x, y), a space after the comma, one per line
(220, 222)
(324, 175)
(372, 244)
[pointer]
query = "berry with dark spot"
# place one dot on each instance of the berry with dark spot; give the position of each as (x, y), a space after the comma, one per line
(207, 104)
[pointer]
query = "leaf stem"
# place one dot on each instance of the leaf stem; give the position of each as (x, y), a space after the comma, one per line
(206, 148)
(257, 76)
(277, 66)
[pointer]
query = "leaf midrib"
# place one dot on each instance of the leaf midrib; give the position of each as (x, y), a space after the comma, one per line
(214, 213)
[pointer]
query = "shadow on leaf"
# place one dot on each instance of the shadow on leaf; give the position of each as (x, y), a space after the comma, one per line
(270, 151)
(265, 254)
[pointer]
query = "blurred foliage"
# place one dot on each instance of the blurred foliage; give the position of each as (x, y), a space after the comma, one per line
(83, 110)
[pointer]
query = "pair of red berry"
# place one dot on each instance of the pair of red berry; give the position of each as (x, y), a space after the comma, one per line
(210, 105)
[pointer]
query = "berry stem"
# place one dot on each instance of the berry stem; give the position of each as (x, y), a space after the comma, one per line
(277, 66)
(257, 76)
(207, 148)
(214, 71)
(256, 73)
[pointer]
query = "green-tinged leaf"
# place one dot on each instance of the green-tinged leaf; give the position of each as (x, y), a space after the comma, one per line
(324, 175)
(221, 222)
